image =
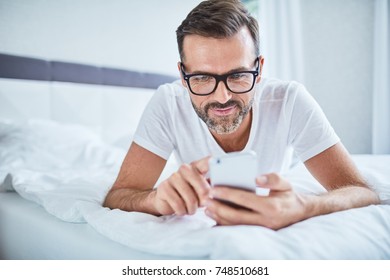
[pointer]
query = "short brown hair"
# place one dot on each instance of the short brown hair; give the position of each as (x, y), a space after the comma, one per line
(218, 19)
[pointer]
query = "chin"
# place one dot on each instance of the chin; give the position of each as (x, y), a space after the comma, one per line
(224, 129)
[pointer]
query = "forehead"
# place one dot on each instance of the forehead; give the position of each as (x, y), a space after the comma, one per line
(219, 55)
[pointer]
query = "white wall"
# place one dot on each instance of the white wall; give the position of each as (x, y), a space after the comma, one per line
(119, 33)
(338, 55)
(328, 45)
(134, 34)
(138, 35)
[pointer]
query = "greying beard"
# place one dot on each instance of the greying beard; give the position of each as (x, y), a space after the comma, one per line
(223, 125)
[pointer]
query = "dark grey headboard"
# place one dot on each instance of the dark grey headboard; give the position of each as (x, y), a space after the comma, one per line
(19, 67)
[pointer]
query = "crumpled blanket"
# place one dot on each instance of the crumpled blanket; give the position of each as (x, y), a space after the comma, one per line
(68, 170)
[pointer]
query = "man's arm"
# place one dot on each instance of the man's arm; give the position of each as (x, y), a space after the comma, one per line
(182, 193)
(133, 188)
(333, 168)
(336, 171)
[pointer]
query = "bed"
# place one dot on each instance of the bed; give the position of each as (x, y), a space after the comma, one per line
(64, 130)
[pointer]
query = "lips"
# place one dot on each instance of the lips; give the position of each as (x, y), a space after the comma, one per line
(223, 111)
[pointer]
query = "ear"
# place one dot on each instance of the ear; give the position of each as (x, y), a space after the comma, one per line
(181, 74)
(261, 64)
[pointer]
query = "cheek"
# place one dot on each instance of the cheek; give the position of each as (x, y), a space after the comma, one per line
(247, 98)
(242, 100)
(199, 101)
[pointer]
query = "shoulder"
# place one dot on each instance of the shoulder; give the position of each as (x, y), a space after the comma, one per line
(286, 95)
(271, 89)
(174, 89)
(170, 94)
(170, 102)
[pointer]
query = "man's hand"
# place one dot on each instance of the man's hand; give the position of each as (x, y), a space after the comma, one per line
(184, 191)
(281, 208)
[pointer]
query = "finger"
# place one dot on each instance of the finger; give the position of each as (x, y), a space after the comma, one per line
(186, 192)
(226, 215)
(243, 198)
(163, 208)
(169, 195)
(219, 221)
(212, 211)
(196, 180)
(273, 182)
(202, 165)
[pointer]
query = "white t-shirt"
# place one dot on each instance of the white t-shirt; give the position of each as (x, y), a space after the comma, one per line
(286, 119)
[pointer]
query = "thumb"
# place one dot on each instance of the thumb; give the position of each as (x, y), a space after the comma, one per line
(273, 182)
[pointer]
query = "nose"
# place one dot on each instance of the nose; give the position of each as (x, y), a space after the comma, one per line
(222, 94)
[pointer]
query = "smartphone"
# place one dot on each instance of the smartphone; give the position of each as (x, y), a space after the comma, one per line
(237, 170)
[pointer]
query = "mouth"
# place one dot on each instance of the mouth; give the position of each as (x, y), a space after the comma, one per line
(223, 112)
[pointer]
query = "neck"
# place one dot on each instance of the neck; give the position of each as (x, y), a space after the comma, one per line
(237, 140)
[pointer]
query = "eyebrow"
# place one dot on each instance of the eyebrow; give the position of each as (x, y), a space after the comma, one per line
(239, 69)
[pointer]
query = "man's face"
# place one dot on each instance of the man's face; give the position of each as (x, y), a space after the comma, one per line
(222, 111)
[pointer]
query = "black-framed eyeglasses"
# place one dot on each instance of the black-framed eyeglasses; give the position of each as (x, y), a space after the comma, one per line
(237, 82)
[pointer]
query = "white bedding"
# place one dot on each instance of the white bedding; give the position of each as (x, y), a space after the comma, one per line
(68, 170)
(28, 232)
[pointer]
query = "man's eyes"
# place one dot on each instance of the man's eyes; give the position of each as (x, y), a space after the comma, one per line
(201, 78)
(237, 76)
(208, 78)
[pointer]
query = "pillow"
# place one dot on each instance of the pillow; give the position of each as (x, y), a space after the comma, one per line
(43, 146)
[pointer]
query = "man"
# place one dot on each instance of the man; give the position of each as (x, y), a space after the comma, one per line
(222, 104)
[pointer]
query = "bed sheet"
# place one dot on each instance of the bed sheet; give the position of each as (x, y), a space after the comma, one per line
(28, 232)
(69, 179)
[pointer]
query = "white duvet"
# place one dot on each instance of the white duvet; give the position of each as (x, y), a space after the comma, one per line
(68, 170)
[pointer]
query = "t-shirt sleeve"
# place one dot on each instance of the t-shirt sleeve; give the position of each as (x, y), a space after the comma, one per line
(310, 131)
(154, 131)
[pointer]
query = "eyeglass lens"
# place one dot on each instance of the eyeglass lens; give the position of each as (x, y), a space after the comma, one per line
(236, 82)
